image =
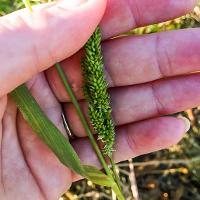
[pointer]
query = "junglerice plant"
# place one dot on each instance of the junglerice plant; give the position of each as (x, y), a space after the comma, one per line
(99, 111)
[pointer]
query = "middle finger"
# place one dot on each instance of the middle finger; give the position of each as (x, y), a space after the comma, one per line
(136, 59)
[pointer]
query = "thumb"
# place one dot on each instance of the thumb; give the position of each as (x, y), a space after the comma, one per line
(32, 42)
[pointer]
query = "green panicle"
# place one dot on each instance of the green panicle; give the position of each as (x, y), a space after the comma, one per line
(95, 90)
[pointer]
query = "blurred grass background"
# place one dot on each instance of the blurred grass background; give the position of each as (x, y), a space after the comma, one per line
(172, 174)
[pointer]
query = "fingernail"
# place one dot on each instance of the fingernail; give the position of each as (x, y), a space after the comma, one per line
(67, 4)
(186, 122)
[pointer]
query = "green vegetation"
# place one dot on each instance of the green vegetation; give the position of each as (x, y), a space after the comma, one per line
(168, 174)
(7, 6)
(51, 135)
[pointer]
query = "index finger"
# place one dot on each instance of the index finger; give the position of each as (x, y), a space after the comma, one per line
(124, 15)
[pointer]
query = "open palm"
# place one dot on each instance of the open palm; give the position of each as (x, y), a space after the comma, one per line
(149, 76)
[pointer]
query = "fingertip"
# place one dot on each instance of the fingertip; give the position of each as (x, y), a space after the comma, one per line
(186, 123)
(176, 129)
(148, 136)
(169, 130)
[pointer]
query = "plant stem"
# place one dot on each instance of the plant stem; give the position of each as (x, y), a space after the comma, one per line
(114, 168)
(114, 176)
(87, 129)
(28, 5)
(82, 118)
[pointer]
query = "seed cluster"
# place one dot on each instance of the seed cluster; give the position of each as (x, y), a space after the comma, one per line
(95, 90)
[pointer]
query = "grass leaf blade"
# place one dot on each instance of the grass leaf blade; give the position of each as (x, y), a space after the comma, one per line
(98, 177)
(51, 135)
(45, 129)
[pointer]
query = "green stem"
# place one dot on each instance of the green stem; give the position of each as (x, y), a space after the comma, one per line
(82, 118)
(114, 168)
(28, 5)
(64, 79)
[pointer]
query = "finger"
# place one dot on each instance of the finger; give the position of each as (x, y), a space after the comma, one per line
(135, 103)
(39, 88)
(72, 69)
(158, 98)
(3, 104)
(14, 170)
(151, 57)
(32, 42)
(135, 60)
(41, 160)
(137, 139)
(124, 15)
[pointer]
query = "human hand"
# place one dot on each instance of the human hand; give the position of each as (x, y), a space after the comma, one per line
(32, 43)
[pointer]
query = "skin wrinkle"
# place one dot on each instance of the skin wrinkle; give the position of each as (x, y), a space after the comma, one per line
(159, 107)
(169, 67)
(135, 12)
(158, 57)
(163, 61)
(130, 140)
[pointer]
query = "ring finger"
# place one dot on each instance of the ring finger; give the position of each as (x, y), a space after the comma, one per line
(135, 103)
